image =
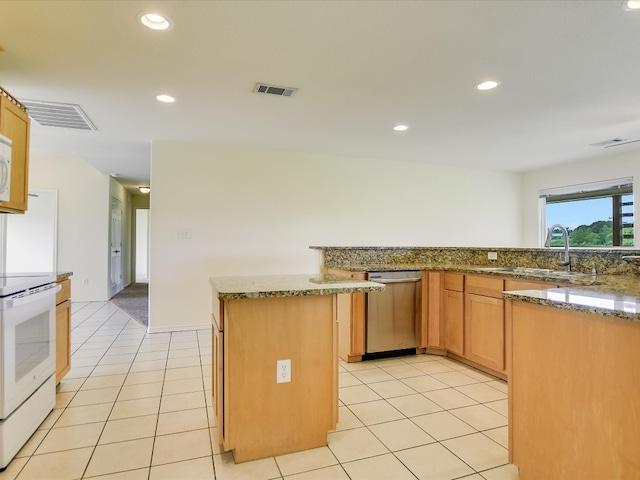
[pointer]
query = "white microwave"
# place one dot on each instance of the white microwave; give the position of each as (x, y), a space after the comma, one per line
(5, 168)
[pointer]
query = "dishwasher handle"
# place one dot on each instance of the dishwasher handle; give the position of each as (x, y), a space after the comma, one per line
(394, 280)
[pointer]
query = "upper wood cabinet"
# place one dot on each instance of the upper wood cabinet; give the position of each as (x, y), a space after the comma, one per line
(14, 124)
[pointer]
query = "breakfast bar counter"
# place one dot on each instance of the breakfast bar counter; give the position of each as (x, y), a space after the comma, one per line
(275, 361)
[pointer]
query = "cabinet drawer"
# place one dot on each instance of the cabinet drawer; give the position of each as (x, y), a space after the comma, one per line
(454, 281)
(65, 293)
(485, 285)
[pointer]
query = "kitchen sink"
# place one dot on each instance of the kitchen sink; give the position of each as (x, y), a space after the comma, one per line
(540, 272)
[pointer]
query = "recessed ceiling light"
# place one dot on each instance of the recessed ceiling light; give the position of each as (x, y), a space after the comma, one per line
(144, 189)
(166, 98)
(488, 85)
(400, 128)
(631, 5)
(155, 21)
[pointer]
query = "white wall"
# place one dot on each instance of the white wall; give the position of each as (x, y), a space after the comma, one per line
(31, 238)
(606, 167)
(253, 211)
(83, 219)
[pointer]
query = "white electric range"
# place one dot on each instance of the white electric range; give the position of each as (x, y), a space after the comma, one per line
(27, 357)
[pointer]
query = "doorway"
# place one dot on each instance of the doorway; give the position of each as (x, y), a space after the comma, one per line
(115, 283)
(142, 245)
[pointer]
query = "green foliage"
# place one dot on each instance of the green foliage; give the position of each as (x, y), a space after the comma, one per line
(598, 234)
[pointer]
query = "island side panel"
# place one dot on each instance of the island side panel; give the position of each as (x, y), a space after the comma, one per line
(266, 418)
(574, 394)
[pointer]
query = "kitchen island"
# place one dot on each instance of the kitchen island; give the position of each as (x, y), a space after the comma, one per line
(275, 361)
(574, 393)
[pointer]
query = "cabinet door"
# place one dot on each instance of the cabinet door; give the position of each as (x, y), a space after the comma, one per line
(351, 313)
(484, 331)
(14, 124)
(453, 310)
(63, 339)
(432, 304)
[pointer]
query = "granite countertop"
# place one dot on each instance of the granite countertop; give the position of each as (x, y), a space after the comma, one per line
(63, 276)
(582, 300)
(609, 295)
(265, 286)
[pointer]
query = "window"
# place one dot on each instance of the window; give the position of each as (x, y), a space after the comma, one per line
(596, 214)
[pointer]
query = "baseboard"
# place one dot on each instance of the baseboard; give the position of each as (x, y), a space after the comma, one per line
(178, 328)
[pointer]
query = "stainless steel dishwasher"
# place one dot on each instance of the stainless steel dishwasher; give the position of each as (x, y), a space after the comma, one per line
(393, 315)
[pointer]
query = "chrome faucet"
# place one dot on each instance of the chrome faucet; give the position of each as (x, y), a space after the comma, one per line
(565, 236)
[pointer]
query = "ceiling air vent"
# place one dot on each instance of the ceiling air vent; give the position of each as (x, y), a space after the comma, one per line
(614, 142)
(61, 115)
(275, 90)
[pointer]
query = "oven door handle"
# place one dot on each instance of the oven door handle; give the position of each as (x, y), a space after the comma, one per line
(30, 297)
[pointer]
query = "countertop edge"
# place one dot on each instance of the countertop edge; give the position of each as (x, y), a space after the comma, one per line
(60, 276)
(528, 296)
(270, 286)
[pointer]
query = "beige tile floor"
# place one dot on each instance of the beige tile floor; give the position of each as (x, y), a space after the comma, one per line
(138, 406)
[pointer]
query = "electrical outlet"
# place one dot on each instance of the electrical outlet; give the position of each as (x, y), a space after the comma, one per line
(492, 255)
(283, 371)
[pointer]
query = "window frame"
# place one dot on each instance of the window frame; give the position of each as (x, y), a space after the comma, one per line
(592, 190)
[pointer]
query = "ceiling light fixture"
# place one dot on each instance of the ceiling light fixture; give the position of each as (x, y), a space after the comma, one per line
(401, 128)
(631, 5)
(155, 21)
(488, 85)
(166, 98)
(144, 189)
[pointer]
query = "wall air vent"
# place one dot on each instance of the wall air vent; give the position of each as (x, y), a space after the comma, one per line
(614, 142)
(275, 90)
(61, 115)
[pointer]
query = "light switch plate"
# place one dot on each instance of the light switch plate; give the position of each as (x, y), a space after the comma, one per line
(183, 234)
(492, 255)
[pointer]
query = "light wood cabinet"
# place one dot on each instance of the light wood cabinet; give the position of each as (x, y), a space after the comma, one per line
(432, 291)
(573, 394)
(63, 330)
(484, 328)
(14, 124)
(351, 319)
(256, 416)
(475, 326)
(453, 311)
(484, 321)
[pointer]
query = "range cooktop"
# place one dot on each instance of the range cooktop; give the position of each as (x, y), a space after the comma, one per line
(11, 283)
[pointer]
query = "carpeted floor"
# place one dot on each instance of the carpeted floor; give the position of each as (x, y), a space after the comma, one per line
(134, 301)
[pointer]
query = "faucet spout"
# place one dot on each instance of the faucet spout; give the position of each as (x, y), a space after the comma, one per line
(565, 236)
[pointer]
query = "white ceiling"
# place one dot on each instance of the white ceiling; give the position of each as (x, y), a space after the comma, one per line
(570, 73)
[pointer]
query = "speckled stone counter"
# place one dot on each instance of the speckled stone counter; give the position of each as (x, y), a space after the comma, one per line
(265, 286)
(582, 300)
(604, 261)
(63, 276)
(614, 291)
